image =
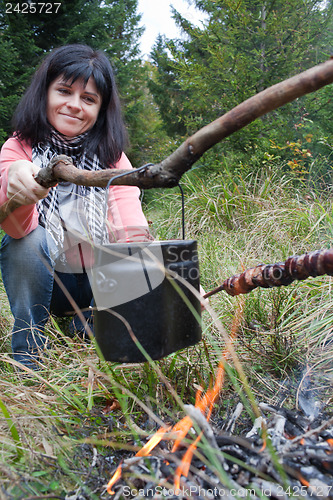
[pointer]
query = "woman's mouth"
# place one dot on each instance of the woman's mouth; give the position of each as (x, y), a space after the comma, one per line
(71, 116)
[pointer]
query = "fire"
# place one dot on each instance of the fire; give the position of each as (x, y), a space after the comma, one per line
(181, 429)
(304, 481)
(328, 465)
(184, 467)
(116, 476)
(153, 441)
(204, 402)
(143, 452)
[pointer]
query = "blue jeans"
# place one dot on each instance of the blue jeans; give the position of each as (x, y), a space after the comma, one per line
(34, 290)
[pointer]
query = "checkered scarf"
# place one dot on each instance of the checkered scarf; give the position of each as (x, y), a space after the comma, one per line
(93, 197)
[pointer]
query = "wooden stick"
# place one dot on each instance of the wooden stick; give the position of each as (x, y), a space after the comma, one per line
(168, 172)
(301, 267)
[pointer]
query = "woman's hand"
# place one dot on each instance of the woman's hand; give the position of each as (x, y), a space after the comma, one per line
(22, 186)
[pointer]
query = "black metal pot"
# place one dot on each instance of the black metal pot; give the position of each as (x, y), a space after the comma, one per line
(142, 287)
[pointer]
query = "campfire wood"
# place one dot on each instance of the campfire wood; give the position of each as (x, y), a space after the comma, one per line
(287, 467)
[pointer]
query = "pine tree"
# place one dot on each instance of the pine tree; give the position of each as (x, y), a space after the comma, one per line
(243, 47)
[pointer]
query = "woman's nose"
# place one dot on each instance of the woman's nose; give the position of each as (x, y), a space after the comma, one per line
(74, 101)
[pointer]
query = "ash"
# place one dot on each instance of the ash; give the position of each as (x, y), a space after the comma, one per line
(285, 454)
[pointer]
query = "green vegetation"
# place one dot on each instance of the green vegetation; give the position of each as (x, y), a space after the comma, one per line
(262, 195)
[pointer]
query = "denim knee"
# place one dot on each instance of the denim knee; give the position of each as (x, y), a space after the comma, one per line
(27, 270)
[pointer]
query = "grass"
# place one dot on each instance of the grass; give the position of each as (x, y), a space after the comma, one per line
(240, 223)
(64, 429)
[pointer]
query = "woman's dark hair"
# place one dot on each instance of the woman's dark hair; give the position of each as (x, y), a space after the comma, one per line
(107, 138)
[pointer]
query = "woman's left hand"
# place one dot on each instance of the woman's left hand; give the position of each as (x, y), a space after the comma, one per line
(22, 186)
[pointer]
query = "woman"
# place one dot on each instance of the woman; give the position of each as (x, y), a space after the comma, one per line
(71, 107)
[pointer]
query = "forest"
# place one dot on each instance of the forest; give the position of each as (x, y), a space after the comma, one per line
(243, 48)
(258, 197)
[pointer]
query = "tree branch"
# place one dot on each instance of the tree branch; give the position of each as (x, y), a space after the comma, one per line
(168, 172)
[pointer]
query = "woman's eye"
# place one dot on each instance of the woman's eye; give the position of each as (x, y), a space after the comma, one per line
(91, 100)
(63, 91)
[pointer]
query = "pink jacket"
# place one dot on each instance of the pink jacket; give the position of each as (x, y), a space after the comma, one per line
(125, 216)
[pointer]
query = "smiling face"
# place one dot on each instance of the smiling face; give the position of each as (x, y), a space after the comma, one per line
(73, 108)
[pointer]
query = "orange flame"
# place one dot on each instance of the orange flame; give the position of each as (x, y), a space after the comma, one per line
(116, 476)
(181, 428)
(184, 466)
(263, 447)
(304, 481)
(153, 441)
(143, 452)
(329, 452)
(204, 402)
